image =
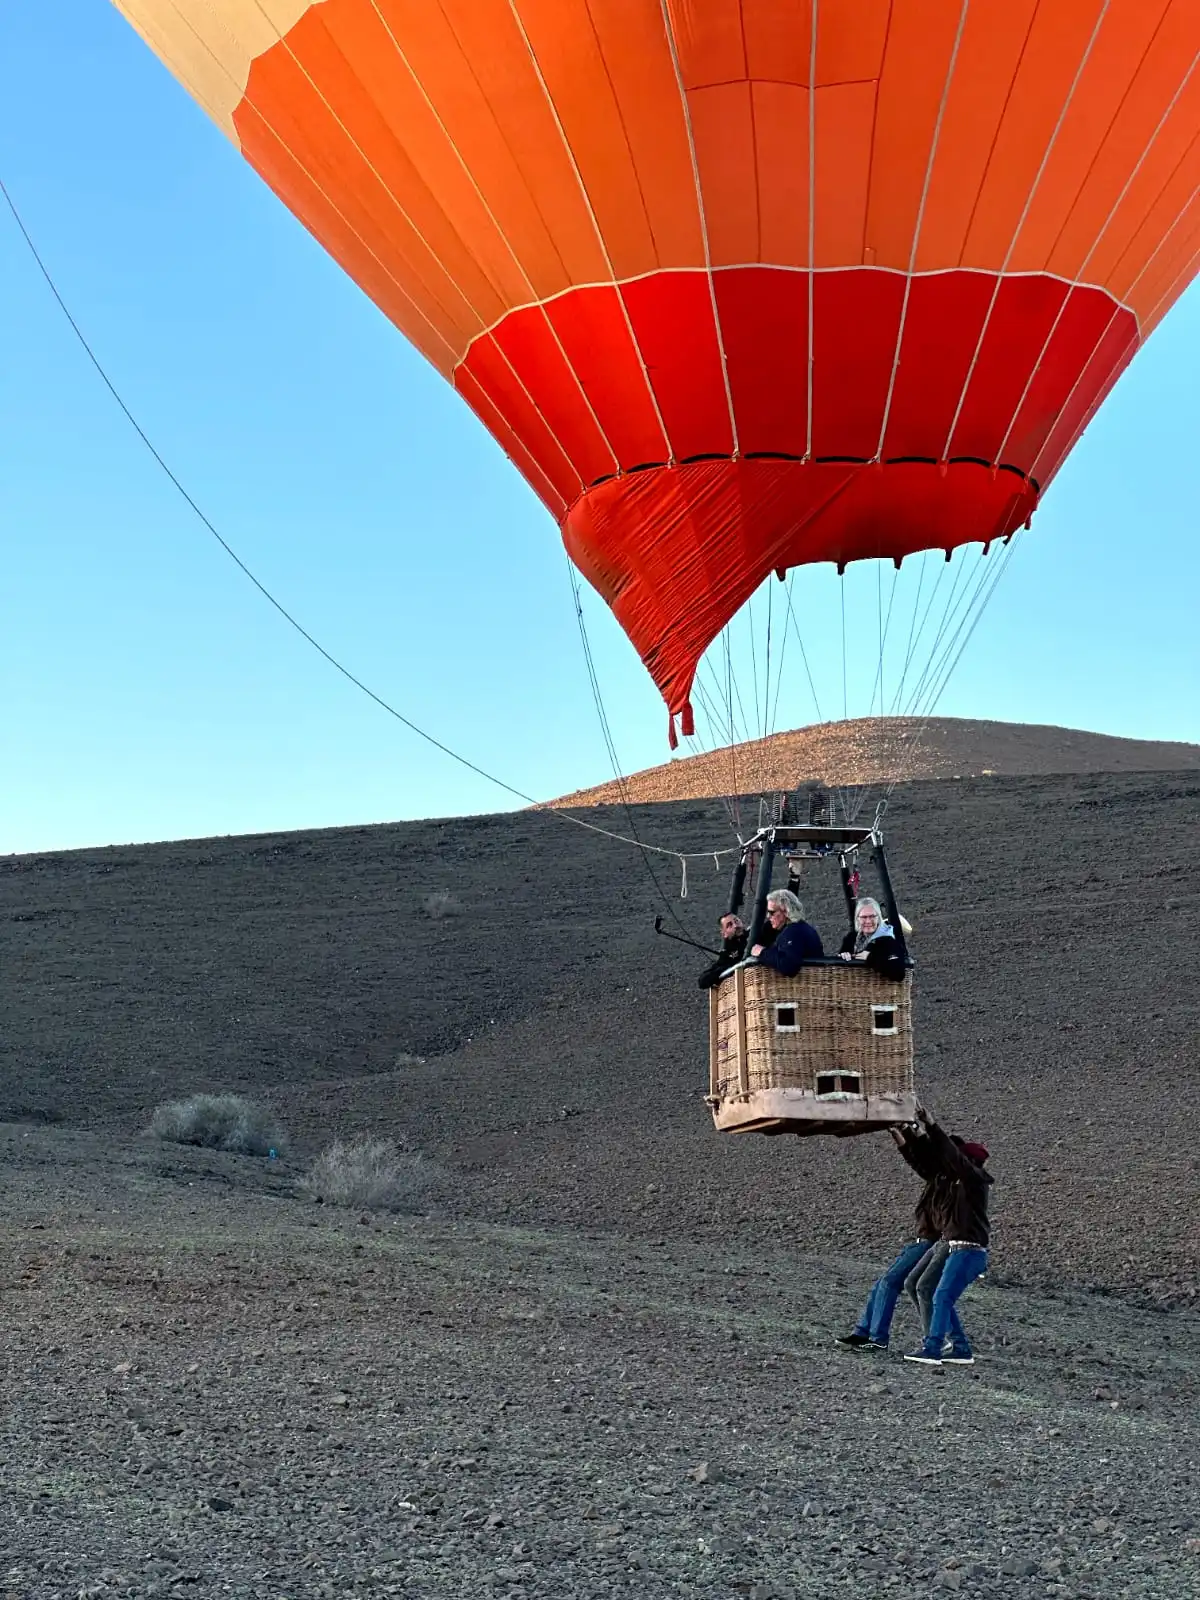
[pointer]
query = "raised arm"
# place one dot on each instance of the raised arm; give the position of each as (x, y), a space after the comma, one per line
(947, 1154)
(918, 1151)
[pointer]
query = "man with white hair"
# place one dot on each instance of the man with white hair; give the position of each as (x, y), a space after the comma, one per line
(796, 941)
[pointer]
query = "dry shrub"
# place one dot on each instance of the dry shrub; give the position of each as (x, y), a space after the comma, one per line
(370, 1175)
(219, 1122)
(441, 904)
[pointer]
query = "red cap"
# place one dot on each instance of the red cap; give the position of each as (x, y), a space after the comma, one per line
(977, 1152)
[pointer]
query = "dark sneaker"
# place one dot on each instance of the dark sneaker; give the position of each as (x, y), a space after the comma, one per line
(921, 1355)
(855, 1340)
(878, 1344)
(958, 1358)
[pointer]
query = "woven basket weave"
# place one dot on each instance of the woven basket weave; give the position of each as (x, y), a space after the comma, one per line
(829, 1050)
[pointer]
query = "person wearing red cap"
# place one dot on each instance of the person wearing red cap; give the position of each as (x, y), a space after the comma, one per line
(921, 1283)
(965, 1232)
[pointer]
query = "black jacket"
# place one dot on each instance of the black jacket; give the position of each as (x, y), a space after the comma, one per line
(795, 943)
(966, 1218)
(932, 1206)
(882, 955)
(735, 949)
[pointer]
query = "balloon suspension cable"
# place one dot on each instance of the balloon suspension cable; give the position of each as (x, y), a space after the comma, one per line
(292, 621)
(610, 742)
(984, 590)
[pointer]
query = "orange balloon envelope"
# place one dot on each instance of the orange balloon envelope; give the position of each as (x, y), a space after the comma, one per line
(737, 284)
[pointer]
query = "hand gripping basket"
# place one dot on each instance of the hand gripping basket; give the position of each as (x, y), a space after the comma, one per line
(828, 1051)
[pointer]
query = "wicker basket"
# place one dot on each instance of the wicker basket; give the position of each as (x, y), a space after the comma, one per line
(828, 1051)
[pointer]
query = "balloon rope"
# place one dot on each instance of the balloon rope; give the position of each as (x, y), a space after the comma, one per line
(845, 698)
(287, 616)
(879, 627)
(732, 745)
(717, 743)
(912, 622)
(952, 600)
(884, 630)
(951, 610)
(984, 591)
(606, 730)
(759, 756)
(804, 656)
(757, 725)
(782, 653)
(768, 720)
(723, 739)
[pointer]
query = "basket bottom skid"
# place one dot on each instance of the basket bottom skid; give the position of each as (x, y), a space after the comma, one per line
(794, 1111)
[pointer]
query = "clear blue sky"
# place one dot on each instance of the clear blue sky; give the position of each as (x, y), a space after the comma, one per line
(149, 692)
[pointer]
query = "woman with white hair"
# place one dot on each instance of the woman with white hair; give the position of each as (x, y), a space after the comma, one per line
(873, 941)
(796, 941)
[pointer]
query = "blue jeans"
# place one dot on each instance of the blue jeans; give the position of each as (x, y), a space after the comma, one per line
(876, 1318)
(921, 1285)
(962, 1267)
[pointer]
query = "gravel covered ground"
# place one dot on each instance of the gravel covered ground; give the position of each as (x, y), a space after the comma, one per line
(215, 1388)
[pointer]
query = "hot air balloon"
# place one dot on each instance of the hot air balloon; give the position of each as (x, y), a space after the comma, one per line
(739, 285)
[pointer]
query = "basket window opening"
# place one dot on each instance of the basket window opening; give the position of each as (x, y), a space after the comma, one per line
(883, 1019)
(786, 1019)
(839, 1083)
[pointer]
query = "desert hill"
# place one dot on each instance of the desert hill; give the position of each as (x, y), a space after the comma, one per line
(871, 750)
(492, 987)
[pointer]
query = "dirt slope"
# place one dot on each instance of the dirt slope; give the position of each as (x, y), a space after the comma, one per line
(214, 1390)
(870, 750)
(602, 1368)
(561, 1046)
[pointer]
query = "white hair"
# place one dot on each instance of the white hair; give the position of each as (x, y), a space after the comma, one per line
(790, 903)
(868, 904)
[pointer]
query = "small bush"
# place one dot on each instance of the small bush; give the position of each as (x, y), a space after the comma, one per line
(441, 904)
(219, 1122)
(370, 1175)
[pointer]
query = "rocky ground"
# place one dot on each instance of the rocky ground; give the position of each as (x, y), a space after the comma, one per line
(215, 1388)
(598, 1359)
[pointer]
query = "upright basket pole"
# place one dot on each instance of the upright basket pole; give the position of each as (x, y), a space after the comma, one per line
(737, 891)
(765, 868)
(889, 895)
(713, 1053)
(846, 889)
(743, 1061)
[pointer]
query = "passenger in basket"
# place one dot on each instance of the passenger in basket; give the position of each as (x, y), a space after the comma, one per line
(874, 1325)
(733, 937)
(796, 941)
(873, 941)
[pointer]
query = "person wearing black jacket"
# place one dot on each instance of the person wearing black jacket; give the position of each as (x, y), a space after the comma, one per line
(965, 1230)
(733, 937)
(873, 1328)
(873, 942)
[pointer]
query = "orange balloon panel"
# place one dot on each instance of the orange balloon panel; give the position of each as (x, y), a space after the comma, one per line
(737, 284)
